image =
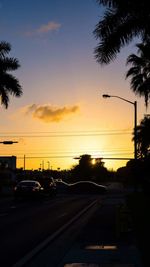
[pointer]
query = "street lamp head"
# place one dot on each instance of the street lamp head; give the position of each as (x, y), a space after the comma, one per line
(106, 96)
(8, 142)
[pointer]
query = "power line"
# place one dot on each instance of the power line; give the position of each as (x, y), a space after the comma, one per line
(52, 157)
(71, 154)
(63, 135)
(81, 152)
(54, 132)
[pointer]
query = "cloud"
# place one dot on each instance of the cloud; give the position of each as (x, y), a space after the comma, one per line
(50, 26)
(45, 28)
(28, 109)
(47, 113)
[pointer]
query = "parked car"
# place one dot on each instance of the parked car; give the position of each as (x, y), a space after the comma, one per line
(28, 188)
(87, 187)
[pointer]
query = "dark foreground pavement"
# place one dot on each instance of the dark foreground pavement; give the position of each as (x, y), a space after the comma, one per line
(107, 240)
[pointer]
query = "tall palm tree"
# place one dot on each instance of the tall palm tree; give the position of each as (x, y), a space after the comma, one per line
(9, 85)
(123, 20)
(140, 71)
(143, 138)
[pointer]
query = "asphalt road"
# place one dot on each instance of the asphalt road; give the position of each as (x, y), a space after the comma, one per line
(24, 225)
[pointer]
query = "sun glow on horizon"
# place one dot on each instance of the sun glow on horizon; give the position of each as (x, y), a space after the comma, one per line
(62, 114)
(62, 149)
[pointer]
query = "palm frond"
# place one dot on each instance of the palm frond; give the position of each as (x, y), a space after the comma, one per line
(140, 71)
(122, 21)
(114, 32)
(134, 60)
(143, 137)
(134, 71)
(4, 48)
(137, 82)
(9, 64)
(4, 97)
(111, 3)
(11, 85)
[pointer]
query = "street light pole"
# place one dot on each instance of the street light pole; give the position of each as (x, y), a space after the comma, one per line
(135, 119)
(135, 130)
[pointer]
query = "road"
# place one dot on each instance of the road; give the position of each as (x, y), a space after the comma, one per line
(24, 225)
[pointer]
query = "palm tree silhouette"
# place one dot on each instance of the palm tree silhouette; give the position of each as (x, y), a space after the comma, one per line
(9, 85)
(143, 138)
(123, 20)
(140, 71)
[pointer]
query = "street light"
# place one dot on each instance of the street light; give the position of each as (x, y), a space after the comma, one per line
(135, 120)
(8, 142)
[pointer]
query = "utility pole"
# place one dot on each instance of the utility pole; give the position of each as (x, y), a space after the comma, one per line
(43, 165)
(24, 162)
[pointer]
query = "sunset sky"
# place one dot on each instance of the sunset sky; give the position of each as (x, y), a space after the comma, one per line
(61, 113)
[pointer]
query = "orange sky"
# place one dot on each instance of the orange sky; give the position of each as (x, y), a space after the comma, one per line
(62, 114)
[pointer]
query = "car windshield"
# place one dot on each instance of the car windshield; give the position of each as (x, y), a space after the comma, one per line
(28, 183)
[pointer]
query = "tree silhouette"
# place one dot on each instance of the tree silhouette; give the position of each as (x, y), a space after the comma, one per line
(140, 71)
(83, 171)
(86, 170)
(123, 20)
(100, 173)
(143, 138)
(9, 85)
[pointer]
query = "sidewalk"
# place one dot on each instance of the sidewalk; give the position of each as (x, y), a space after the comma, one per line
(104, 242)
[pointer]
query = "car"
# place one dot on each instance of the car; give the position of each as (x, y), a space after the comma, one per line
(28, 188)
(87, 187)
(62, 187)
(49, 186)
